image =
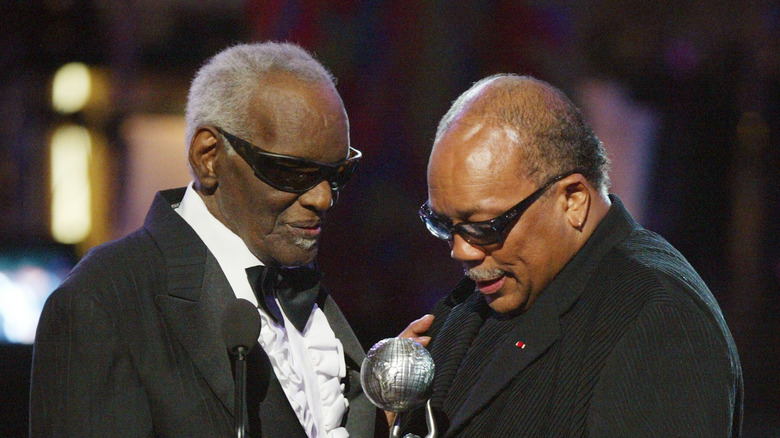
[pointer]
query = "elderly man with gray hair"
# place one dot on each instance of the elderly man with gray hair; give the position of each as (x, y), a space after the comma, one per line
(131, 345)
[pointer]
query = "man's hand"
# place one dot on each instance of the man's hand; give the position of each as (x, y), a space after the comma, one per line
(417, 328)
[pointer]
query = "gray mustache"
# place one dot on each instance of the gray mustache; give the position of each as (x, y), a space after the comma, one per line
(482, 274)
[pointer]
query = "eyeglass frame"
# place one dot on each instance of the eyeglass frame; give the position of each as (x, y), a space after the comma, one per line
(245, 149)
(498, 224)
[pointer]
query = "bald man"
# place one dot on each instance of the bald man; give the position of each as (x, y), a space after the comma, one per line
(572, 319)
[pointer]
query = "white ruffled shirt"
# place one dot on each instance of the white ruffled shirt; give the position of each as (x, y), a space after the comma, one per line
(308, 364)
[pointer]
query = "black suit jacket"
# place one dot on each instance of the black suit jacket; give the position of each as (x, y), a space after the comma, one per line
(626, 341)
(130, 345)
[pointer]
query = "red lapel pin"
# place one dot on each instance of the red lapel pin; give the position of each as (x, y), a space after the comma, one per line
(520, 345)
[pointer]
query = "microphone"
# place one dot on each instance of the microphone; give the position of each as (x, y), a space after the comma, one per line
(240, 330)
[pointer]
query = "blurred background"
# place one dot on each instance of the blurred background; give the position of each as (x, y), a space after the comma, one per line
(684, 94)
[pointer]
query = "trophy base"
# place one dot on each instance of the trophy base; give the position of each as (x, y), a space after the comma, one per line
(395, 431)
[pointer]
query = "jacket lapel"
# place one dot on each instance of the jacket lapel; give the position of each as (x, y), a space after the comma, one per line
(449, 348)
(535, 331)
(196, 295)
(196, 324)
(539, 328)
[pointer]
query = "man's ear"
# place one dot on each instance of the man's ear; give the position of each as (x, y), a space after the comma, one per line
(578, 199)
(204, 147)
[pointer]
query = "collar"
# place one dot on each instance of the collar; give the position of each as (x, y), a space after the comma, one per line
(231, 252)
(568, 285)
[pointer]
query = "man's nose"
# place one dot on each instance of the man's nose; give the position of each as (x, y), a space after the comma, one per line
(318, 198)
(464, 251)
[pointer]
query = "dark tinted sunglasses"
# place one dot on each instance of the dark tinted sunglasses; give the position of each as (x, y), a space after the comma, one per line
(483, 232)
(293, 174)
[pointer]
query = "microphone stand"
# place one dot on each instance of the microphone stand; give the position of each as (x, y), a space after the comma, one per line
(240, 400)
(240, 329)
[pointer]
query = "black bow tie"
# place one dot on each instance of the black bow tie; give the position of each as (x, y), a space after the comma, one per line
(296, 289)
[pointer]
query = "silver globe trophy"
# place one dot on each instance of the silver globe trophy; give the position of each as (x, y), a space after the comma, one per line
(397, 376)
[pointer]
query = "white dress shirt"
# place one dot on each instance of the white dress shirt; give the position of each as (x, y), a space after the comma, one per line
(308, 364)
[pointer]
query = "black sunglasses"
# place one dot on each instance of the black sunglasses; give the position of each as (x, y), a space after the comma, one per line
(293, 174)
(483, 232)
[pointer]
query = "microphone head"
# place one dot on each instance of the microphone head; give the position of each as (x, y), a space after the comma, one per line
(240, 325)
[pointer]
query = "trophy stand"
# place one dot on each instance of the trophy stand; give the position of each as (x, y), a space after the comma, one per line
(395, 431)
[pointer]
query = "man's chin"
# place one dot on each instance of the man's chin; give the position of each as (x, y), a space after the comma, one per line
(306, 244)
(504, 305)
(291, 256)
(301, 255)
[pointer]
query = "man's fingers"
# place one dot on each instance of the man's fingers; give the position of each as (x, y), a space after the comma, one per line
(390, 418)
(422, 340)
(423, 324)
(417, 329)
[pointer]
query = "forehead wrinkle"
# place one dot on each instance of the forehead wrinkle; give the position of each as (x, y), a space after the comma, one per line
(294, 113)
(300, 119)
(461, 197)
(472, 168)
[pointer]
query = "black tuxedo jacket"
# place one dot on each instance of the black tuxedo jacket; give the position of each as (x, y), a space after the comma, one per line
(626, 341)
(130, 345)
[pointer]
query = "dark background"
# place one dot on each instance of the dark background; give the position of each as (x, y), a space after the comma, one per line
(707, 70)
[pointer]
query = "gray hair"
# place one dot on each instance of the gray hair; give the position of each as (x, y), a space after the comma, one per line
(222, 89)
(552, 135)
